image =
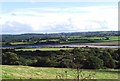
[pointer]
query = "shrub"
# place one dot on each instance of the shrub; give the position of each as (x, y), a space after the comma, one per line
(93, 63)
(10, 58)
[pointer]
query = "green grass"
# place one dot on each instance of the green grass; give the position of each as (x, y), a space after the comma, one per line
(92, 39)
(26, 72)
(43, 49)
(19, 43)
(78, 39)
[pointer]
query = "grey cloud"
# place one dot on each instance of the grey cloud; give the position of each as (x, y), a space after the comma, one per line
(103, 25)
(15, 27)
(62, 27)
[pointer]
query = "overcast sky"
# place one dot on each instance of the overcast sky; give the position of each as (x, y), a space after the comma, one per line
(53, 17)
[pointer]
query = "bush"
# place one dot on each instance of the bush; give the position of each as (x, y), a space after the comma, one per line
(66, 63)
(108, 60)
(10, 58)
(93, 63)
(43, 62)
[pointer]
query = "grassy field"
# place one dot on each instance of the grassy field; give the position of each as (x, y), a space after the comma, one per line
(73, 39)
(43, 49)
(94, 39)
(19, 43)
(26, 72)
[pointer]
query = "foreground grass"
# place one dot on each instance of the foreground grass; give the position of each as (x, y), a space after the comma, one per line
(43, 49)
(26, 72)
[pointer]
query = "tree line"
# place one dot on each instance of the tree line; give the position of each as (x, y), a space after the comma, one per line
(85, 58)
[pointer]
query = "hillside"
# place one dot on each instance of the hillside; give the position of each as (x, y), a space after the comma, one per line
(9, 37)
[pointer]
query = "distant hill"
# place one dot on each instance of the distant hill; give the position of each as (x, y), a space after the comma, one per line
(9, 37)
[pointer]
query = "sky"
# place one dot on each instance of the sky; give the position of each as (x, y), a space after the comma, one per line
(56, 17)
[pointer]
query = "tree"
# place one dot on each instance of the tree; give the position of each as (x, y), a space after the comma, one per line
(118, 64)
(66, 63)
(107, 38)
(108, 60)
(7, 43)
(43, 62)
(93, 63)
(10, 58)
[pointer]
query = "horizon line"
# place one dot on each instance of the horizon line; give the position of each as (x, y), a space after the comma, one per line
(55, 32)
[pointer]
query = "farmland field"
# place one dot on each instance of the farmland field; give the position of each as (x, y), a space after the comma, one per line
(26, 72)
(44, 49)
(68, 40)
(93, 39)
(19, 43)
